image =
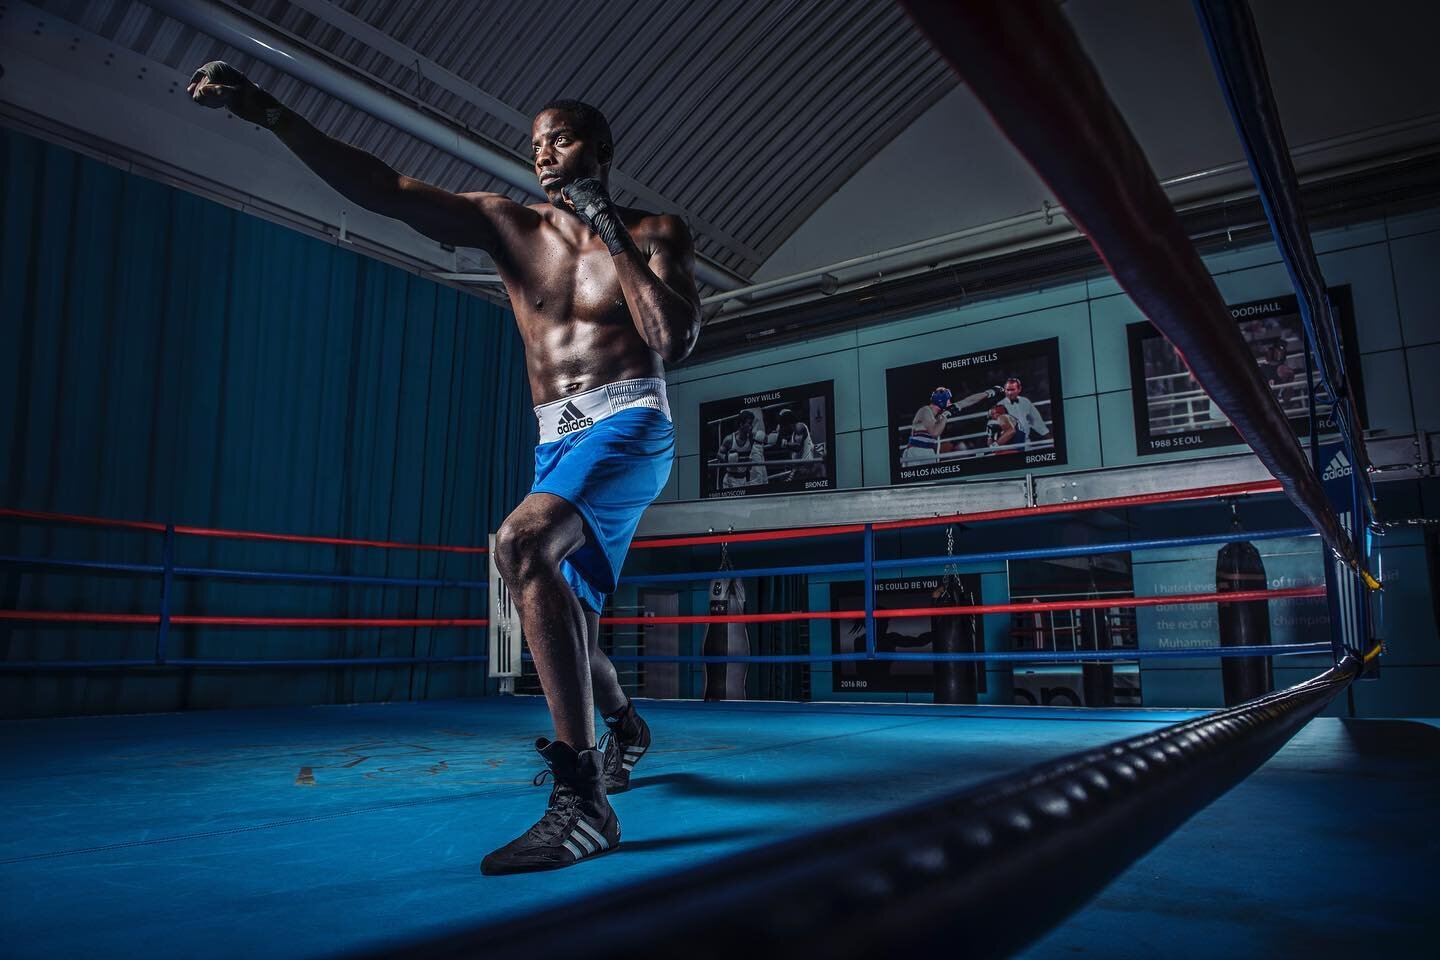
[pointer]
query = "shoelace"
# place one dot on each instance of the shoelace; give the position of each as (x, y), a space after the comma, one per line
(561, 811)
(611, 758)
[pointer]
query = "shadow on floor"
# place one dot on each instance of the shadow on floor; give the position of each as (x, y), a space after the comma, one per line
(1409, 740)
(685, 840)
(797, 789)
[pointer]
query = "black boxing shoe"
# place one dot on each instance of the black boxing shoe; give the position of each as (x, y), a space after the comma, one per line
(578, 822)
(626, 739)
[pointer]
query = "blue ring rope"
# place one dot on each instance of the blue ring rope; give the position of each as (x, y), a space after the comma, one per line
(1018, 656)
(1079, 550)
(1011, 656)
(278, 576)
(855, 567)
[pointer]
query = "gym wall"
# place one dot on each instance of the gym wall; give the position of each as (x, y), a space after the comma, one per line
(170, 359)
(1388, 265)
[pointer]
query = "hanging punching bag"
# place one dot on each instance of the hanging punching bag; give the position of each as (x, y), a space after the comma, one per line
(955, 680)
(1238, 567)
(1097, 677)
(726, 681)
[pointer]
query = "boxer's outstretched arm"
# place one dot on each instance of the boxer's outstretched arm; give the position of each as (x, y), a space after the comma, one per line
(973, 399)
(471, 220)
(459, 219)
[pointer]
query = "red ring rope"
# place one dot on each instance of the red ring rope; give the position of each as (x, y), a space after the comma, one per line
(152, 619)
(84, 521)
(1103, 603)
(1100, 603)
(332, 541)
(1105, 503)
(1134, 500)
(1175, 496)
(153, 527)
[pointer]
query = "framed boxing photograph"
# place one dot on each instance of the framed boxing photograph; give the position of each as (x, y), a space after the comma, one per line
(892, 635)
(1173, 412)
(996, 409)
(777, 441)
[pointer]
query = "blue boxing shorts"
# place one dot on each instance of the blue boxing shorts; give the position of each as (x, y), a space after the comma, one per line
(607, 452)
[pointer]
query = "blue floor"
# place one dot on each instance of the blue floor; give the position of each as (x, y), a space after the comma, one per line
(310, 832)
(1330, 850)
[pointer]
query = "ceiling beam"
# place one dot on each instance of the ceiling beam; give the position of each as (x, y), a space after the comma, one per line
(432, 72)
(267, 45)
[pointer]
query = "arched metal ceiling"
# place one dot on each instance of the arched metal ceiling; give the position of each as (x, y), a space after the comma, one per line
(743, 114)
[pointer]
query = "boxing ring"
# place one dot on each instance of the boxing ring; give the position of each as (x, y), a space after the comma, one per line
(834, 829)
(348, 828)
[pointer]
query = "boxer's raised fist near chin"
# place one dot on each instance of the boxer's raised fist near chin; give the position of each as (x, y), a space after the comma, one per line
(217, 84)
(592, 204)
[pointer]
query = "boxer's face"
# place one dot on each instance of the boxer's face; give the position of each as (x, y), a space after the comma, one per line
(561, 153)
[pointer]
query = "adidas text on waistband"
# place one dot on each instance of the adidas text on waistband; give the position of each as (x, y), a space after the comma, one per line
(573, 414)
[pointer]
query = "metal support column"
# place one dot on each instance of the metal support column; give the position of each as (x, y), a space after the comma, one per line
(167, 580)
(870, 591)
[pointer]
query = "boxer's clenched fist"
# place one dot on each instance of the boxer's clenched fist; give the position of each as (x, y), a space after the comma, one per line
(217, 84)
(592, 205)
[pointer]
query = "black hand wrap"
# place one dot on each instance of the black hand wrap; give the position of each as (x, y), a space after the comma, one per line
(248, 102)
(592, 205)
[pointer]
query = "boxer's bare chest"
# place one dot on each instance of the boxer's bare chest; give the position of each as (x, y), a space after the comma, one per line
(572, 316)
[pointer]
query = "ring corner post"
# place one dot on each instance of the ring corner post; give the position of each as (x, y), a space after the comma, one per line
(1347, 591)
(503, 632)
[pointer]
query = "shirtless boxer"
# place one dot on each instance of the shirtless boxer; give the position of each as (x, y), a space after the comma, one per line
(743, 452)
(1000, 428)
(604, 296)
(791, 441)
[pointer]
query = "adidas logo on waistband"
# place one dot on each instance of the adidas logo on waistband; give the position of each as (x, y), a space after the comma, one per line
(1338, 467)
(571, 419)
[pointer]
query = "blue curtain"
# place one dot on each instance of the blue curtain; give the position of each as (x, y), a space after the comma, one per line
(163, 357)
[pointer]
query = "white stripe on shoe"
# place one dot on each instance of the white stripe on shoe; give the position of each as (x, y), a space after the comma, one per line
(574, 850)
(584, 842)
(594, 834)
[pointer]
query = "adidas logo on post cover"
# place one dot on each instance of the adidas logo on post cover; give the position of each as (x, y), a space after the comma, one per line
(1339, 466)
(572, 419)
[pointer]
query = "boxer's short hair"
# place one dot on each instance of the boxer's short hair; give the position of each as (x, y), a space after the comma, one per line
(590, 123)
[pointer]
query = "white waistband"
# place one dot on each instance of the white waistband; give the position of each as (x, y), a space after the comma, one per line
(560, 418)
